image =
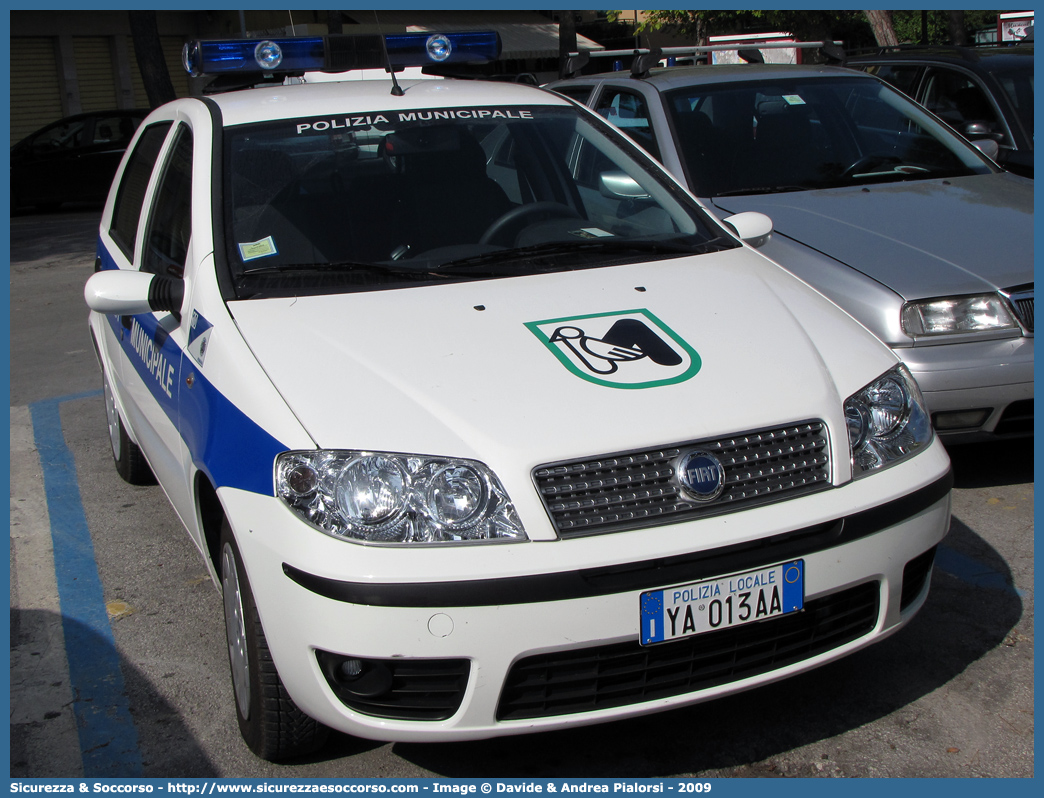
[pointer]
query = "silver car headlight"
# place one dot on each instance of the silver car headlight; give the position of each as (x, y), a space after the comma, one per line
(955, 315)
(887, 422)
(377, 497)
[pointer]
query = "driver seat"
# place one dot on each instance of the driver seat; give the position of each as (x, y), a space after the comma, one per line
(456, 200)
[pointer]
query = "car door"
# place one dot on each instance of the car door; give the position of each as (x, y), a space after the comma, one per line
(43, 168)
(153, 208)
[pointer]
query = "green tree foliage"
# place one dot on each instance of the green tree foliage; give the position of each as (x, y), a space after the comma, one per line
(851, 27)
(908, 25)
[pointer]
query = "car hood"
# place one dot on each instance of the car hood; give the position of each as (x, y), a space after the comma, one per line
(921, 239)
(465, 369)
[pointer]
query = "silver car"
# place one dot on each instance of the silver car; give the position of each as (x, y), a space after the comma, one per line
(874, 201)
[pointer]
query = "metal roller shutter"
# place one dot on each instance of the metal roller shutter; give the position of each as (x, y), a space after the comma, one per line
(36, 97)
(94, 71)
(172, 46)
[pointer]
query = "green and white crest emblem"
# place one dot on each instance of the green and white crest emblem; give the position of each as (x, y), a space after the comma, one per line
(620, 349)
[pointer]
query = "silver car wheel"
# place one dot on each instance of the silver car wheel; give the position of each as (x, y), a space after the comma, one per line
(113, 417)
(235, 630)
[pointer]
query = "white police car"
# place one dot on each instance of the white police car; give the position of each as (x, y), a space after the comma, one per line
(482, 424)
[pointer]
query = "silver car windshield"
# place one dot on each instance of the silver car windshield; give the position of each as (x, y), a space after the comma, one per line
(392, 198)
(801, 134)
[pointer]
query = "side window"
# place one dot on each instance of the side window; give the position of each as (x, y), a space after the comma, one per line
(901, 76)
(170, 222)
(114, 129)
(959, 101)
(64, 136)
(131, 194)
(630, 113)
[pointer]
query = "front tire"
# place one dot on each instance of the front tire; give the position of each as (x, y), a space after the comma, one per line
(271, 724)
(128, 457)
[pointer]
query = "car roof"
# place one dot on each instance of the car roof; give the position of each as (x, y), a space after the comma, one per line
(666, 78)
(989, 58)
(364, 96)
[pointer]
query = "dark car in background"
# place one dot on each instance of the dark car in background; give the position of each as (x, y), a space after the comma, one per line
(981, 92)
(71, 160)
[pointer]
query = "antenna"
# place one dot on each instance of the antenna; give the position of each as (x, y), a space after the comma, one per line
(396, 88)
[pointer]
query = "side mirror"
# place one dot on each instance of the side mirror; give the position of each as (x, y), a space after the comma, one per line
(620, 186)
(988, 147)
(750, 227)
(127, 293)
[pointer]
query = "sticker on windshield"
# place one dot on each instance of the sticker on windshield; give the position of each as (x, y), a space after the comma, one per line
(258, 249)
(793, 99)
(591, 232)
(621, 349)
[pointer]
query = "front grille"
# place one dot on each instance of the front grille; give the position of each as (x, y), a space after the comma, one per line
(628, 673)
(634, 489)
(1022, 301)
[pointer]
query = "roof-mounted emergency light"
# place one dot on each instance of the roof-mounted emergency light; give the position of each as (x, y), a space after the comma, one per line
(296, 55)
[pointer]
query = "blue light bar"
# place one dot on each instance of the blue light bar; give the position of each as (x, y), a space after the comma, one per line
(423, 49)
(254, 55)
(338, 53)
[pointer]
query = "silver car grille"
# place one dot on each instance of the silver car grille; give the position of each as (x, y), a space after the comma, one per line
(633, 489)
(1022, 301)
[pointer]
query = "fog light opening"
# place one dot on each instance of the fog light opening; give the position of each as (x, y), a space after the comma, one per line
(961, 419)
(355, 676)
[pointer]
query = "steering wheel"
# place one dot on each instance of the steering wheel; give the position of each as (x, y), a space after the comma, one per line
(513, 216)
(866, 162)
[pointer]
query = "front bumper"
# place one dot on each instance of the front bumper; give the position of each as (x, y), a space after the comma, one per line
(504, 615)
(993, 377)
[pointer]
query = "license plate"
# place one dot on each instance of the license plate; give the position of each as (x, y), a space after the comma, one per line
(723, 602)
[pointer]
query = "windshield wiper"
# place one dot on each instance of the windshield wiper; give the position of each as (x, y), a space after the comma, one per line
(505, 256)
(762, 190)
(337, 267)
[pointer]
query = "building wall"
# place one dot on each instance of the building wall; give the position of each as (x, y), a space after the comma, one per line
(66, 62)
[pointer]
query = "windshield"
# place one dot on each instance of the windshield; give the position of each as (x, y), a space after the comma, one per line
(792, 135)
(382, 200)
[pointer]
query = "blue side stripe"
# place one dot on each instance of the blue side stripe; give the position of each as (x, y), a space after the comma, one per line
(225, 443)
(108, 738)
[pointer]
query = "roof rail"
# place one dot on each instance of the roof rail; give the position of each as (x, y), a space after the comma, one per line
(645, 58)
(707, 48)
(964, 51)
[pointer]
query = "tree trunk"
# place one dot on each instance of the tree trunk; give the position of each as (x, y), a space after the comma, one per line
(955, 23)
(566, 38)
(881, 24)
(149, 52)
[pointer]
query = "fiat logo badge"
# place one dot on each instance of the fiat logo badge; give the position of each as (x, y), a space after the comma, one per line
(701, 475)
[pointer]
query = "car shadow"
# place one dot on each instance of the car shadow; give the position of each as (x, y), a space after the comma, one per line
(986, 465)
(118, 751)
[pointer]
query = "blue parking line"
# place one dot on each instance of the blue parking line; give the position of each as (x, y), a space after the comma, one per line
(108, 737)
(970, 570)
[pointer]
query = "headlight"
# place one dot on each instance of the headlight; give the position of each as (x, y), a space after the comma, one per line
(374, 497)
(887, 422)
(963, 314)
